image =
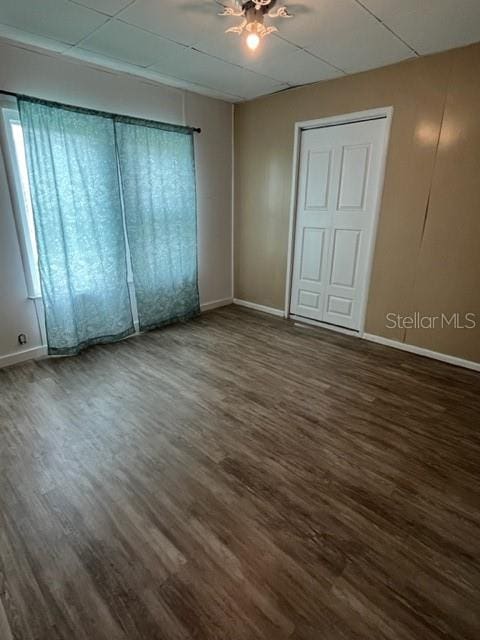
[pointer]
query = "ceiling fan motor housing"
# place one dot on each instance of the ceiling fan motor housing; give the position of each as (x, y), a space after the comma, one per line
(249, 5)
(255, 17)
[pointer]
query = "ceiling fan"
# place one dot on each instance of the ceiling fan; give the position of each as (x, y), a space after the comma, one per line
(253, 14)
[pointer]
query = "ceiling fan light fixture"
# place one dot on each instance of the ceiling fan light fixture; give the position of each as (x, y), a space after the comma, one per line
(253, 13)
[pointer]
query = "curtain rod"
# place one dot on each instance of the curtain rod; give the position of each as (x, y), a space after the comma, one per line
(105, 114)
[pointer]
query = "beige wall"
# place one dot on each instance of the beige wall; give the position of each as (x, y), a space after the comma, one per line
(427, 255)
(54, 77)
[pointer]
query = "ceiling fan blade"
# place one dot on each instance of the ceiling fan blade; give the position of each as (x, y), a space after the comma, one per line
(281, 12)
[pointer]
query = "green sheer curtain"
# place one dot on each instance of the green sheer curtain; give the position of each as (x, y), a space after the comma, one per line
(73, 175)
(157, 172)
(97, 179)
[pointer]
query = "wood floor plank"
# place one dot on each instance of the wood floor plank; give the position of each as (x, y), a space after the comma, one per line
(239, 478)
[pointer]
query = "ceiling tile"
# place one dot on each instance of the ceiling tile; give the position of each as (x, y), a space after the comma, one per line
(297, 67)
(102, 60)
(124, 42)
(251, 93)
(196, 87)
(232, 48)
(314, 20)
(195, 66)
(185, 21)
(150, 75)
(109, 7)
(26, 38)
(361, 49)
(275, 58)
(440, 29)
(388, 8)
(57, 19)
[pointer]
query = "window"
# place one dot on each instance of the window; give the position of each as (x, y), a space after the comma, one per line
(115, 197)
(16, 166)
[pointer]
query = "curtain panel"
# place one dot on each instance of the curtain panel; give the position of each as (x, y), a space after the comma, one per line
(108, 190)
(71, 159)
(157, 172)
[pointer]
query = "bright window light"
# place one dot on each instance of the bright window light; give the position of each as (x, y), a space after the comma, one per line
(16, 165)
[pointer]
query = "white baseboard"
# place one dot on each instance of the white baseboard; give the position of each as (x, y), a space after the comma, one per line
(41, 352)
(215, 304)
(22, 356)
(420, 351)
(259, 307)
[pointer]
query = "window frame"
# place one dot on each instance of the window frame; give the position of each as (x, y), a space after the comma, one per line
(8, 116)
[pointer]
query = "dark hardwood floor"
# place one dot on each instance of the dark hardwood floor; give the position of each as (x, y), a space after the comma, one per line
(239, 478)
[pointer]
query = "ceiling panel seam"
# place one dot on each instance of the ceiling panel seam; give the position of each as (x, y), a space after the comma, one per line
(385, 26)
(108, 17)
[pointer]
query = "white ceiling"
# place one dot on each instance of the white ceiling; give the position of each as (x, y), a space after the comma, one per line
(182, 42)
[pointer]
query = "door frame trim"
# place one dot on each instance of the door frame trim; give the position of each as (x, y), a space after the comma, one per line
(346, 118)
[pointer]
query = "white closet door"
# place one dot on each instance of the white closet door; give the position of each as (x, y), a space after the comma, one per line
(338, 188)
